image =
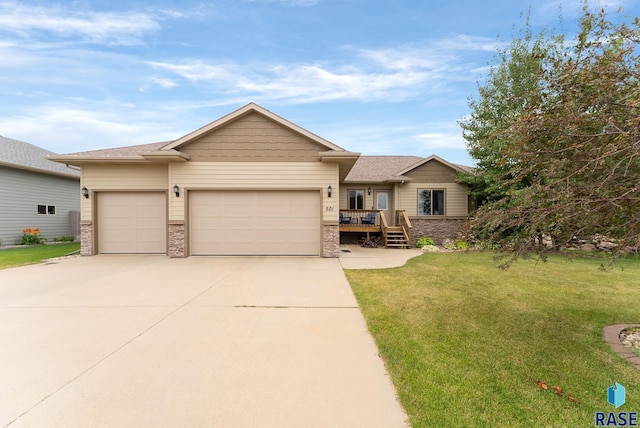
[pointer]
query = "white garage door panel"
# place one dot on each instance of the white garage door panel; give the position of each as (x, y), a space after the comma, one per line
(255, 222)
(132, 223)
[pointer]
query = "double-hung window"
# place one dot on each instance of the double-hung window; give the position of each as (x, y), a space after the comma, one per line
(356, 199)
(430, 202)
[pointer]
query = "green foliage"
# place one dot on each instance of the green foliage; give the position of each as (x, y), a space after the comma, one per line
(461, 244)
(28, 255)
(65, 238)
(31, 236)
(500, 100)
(555, 132)
(466, 347)
(424, 241)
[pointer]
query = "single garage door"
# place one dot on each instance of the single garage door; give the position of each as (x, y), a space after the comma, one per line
(132, 223)
(254, 222)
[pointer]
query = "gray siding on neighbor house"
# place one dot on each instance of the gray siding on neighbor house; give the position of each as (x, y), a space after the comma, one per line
(22, 191)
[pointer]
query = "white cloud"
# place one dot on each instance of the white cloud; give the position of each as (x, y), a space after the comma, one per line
(299, 83)
(438, 136)
(111, 28)
(157, 82)
(369, 75)
(63, 128)
(440, 140)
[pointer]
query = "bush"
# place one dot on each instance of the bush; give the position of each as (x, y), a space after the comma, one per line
(65, 238)
(424, 241)
(461, 244)
(31, 237)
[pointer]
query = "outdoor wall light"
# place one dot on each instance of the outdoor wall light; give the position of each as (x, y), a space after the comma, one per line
(85, 192)
(329, 190)
(369, 191)
(176, 190)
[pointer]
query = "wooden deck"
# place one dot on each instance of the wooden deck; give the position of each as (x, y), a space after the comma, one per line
(374, 221)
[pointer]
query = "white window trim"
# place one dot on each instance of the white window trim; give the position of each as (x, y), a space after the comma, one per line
(46, 209)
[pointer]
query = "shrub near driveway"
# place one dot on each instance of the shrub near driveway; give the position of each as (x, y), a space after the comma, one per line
(13, 257)
(468, 344)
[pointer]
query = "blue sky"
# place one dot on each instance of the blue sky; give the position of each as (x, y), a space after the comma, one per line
(372, 76)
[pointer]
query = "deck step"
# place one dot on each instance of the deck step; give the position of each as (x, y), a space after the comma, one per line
(396, 238)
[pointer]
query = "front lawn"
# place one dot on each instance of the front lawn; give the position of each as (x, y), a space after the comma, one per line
(13, 257)
(467, 344)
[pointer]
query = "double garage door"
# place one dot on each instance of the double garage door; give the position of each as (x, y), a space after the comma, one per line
(220, 222)
(254, 222)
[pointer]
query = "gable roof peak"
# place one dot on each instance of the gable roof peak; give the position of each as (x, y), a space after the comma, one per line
(436, 158)
(242, 111)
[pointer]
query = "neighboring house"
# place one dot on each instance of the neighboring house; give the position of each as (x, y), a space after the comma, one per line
(253, 183)
(36, 193)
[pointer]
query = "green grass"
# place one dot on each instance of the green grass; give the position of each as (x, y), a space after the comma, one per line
(13, 257)
(465, 342)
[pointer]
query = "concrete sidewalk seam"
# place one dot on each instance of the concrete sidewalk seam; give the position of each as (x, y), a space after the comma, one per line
(292, 307)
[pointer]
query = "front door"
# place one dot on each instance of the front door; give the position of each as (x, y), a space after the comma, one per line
(384, 204)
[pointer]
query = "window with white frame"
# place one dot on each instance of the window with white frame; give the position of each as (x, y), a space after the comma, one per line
(430, 202)
(356, 199)
(46, 209)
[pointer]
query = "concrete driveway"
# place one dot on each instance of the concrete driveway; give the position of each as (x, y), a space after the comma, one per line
(152, 341)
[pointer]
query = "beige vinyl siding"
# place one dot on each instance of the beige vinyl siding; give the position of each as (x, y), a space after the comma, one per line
(433, 172)
(455, 195)
(97, 177)
(369, 200)
(256, 176)
(253, 138)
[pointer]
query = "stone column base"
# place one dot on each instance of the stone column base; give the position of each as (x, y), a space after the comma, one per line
(330, 240)
(176, 240)
(86, 239)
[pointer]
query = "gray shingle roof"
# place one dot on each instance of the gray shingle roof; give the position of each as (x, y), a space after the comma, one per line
(19, 154)
(122, 151)
(379, 168)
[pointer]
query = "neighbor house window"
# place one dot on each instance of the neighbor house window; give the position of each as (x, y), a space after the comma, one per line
(430, 202)
(356, 199)
(46, 209)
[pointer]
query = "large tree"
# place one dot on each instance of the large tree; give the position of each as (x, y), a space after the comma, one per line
(501, 99)
(565, 154)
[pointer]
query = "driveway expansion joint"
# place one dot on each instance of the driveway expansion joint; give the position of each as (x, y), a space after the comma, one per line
(293, 307)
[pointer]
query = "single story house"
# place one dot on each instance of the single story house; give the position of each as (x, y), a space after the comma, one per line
(36, 193)
(253, 183)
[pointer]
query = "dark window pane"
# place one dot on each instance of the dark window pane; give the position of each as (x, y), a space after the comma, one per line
(352, 200)
(360, 200)
(42, 209)
(356, 199)
(438, 202)
(51, 209)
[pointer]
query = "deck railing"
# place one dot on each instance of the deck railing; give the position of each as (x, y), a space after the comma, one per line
(403, 221)
(360, 220)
